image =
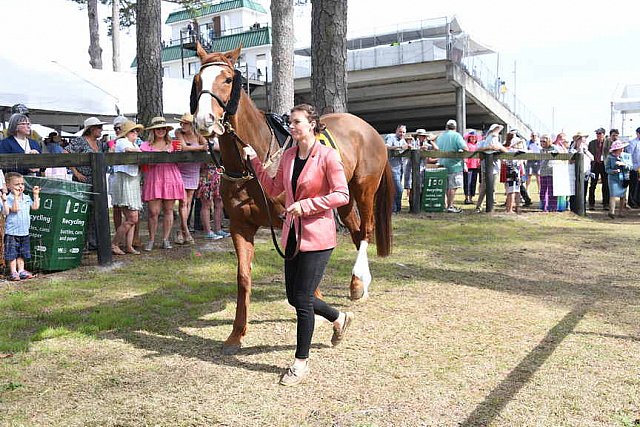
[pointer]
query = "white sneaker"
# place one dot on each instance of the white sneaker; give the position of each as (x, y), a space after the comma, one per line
(294, 376)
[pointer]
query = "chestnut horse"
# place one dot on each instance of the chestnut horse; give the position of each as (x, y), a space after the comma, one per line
(221, 106)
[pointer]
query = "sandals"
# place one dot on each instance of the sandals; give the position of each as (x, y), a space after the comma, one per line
(179, 240)
(14, 277)
(132, 251)
(116, 250)
(24, 274)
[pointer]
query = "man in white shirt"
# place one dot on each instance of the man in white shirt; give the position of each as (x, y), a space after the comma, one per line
(397, 143)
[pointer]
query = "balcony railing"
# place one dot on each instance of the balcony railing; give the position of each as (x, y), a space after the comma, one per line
(206, 36)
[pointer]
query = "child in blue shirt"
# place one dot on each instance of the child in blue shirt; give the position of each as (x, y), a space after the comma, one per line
(16, 206)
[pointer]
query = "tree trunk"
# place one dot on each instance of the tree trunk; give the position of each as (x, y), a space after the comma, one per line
(115, 34)
(282, 56)
(329, 55)
(149, 73)
(95, 51)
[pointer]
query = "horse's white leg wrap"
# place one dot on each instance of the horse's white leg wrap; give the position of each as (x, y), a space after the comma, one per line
(361, 267)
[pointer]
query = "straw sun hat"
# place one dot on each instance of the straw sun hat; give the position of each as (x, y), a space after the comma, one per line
(186, 118)
(90, 122)
(159, 123)
(127, 127)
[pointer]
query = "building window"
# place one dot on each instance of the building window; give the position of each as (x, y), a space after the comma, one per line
(165, 72)
(194, 67)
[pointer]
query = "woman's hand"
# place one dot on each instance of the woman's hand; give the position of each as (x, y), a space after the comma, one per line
(295, 209)
(250, 152)
(80, 177)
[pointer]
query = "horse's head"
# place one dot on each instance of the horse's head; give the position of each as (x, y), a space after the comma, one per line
(215, 91)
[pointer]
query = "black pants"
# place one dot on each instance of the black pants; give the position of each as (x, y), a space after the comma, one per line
(597, 168)
(470, 180)
(634, 189)
(302, 274)
(573, 201)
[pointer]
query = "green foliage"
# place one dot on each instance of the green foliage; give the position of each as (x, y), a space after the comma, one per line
(11, 386)
(128, 10)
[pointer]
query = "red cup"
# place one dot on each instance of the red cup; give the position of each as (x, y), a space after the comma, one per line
(177, 145)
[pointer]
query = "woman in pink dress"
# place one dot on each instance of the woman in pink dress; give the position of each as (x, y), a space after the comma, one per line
(162, 183)
(189, 141)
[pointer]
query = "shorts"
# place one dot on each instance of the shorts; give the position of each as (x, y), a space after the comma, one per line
(16, 247)
(533, 167)
(455, 180)
(512, 187)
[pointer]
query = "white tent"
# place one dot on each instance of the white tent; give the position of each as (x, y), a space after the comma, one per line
(61, 97)
(626, 100)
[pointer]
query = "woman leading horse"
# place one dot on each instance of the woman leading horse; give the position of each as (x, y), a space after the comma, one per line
(222, 107)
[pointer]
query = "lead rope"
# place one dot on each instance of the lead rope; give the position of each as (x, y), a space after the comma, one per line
(273, 233)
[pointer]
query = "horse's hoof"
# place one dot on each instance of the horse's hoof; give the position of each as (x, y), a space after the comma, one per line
(357, 289)
(230, 349)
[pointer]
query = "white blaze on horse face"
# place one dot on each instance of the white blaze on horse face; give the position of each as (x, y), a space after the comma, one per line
(206, 116)
(361, 267)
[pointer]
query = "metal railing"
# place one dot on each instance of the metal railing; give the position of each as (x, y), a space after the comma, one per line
(423, 41)
(208, 36)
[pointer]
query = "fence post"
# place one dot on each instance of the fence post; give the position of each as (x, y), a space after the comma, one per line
(101, 208)
(579, 164)
(416, 181)
(489, 182)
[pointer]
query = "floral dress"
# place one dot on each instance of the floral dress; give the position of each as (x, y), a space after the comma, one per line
(209, 185)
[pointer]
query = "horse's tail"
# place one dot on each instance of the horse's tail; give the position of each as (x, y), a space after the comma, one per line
(384, 201)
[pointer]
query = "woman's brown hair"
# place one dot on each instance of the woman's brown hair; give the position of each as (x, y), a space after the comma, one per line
(312, 114)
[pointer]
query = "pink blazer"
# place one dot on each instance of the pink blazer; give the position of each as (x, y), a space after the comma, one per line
(322, 186)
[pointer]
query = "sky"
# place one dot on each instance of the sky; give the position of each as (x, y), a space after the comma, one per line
(569, 58)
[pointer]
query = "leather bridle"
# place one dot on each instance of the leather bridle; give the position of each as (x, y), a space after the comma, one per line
(229, 109)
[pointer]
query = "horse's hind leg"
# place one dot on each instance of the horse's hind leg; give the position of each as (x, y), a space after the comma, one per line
(243, 242)
(360, 223)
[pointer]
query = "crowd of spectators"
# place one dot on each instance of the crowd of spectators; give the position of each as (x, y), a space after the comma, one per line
(615, 170)
(159, 190)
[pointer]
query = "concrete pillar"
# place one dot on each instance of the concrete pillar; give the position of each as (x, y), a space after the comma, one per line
(461, 109)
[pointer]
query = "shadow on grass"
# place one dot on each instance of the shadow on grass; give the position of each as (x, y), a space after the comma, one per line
(500, 396)
(190, 346)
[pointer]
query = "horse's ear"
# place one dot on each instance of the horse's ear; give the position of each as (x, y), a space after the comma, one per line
(200, 51)
(234, 54)
(193, 101)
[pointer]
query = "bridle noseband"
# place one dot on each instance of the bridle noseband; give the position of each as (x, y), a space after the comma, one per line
(229, 109)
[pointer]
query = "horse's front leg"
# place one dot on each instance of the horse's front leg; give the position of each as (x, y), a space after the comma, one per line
(243, 242)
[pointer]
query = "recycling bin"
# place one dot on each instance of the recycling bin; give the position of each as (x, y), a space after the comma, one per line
(58, 226)
(434, 189)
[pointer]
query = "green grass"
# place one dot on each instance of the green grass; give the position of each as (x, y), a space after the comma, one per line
(150, 295)
(486, 319)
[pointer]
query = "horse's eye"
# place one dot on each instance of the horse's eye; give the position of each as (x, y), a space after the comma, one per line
(228, 80)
